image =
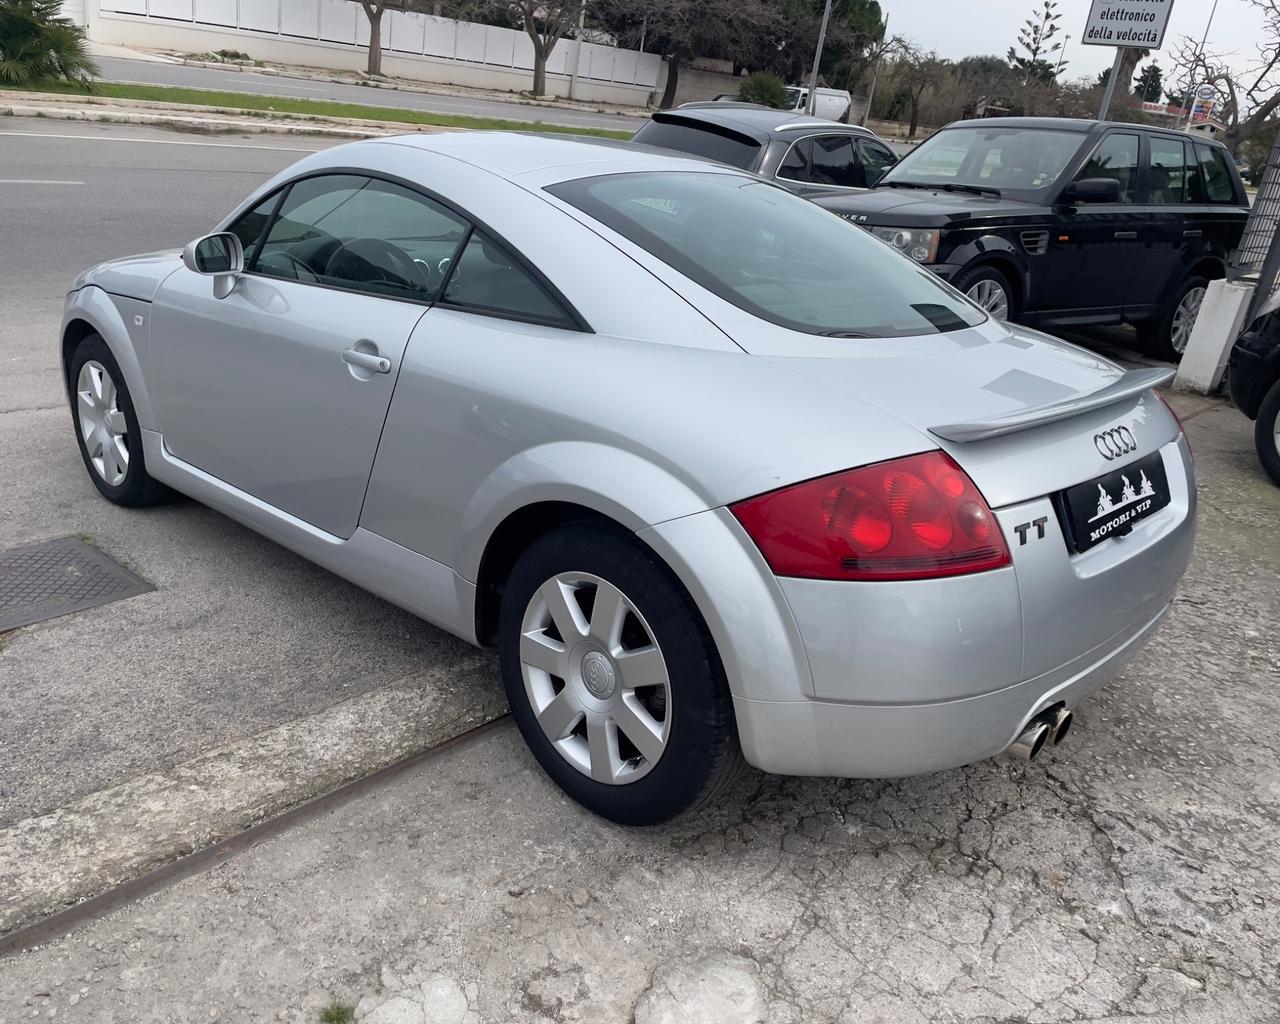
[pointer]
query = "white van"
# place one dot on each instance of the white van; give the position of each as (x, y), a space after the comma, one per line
(833, 104)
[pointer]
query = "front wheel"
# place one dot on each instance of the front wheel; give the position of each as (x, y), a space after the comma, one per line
(613, 678)
(990, 289)
(1266, 433)
(107, 429)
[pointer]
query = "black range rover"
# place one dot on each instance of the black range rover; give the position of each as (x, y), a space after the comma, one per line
(1051, 221)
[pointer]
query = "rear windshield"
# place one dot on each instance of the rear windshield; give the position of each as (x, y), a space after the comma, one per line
(708, 142)
(773, 254)
(1005, 159)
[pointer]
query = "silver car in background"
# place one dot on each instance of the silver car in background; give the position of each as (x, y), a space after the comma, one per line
(716, 472)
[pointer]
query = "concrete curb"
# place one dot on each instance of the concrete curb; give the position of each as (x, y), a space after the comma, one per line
(197, 118)
(120, 833)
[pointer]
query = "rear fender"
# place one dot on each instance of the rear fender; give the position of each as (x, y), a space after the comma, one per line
(116, 320)
(624, 487)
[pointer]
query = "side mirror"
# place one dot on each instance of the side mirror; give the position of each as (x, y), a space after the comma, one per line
(218, 256)
(1092, 190)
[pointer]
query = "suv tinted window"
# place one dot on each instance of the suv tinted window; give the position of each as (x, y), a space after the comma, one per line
(701, 140)
(1167, 185)
(876, 159)
(1116, 157)
(797, 166)
(1219, 186)
(489, 279)
(773, 254)
(349, 231)
(834, 162)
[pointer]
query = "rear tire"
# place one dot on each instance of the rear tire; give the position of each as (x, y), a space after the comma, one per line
(990, 289)
(107, 429)
(578, 700)
(1266, 433)
(1167, 335)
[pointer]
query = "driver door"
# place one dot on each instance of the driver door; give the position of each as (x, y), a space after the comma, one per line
(281, 388)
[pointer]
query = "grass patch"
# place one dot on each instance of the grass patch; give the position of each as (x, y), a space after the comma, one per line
(338, 1013)
(266, 105)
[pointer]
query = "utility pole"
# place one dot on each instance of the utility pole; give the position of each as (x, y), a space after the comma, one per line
(875, 73)
(577, 51)
(1189, 96)
(817, 59)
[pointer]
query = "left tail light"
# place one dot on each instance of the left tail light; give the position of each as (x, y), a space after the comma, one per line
(915, 518)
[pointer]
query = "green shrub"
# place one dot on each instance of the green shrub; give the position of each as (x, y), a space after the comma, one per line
(37, 43)
(766, 89)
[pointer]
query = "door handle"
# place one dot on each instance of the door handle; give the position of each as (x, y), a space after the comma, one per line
(366, 360)
(1126, 234)
(1193, 234)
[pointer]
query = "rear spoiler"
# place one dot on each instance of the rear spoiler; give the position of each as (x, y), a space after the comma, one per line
(1131, 383)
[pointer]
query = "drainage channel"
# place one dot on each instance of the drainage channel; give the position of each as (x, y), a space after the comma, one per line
(58, 925)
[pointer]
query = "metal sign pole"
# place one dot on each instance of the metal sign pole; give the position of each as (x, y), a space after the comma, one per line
(817, 59)
(1111, 84)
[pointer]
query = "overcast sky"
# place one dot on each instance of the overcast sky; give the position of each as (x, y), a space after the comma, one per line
(960, 29)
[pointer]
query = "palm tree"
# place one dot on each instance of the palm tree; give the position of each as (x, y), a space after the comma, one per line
(37, 43)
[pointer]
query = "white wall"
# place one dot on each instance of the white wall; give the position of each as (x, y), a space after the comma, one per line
(74, 9)
(334, 34)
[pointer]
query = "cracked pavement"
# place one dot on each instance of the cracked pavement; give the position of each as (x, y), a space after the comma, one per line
(1129, 875)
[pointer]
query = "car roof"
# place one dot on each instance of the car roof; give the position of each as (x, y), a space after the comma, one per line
(1063, 124)
(545, 158)
(756, 122)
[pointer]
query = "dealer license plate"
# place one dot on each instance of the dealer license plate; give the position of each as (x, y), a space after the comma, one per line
(1112, 504)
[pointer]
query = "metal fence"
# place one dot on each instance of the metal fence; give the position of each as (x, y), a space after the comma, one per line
(1258, 258)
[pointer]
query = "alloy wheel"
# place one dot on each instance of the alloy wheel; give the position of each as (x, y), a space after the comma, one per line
(992, 297)
(102, 423)
(595, 678)
(1184, 319)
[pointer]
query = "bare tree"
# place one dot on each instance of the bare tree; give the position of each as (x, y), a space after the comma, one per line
(918, 72)
(546, 22)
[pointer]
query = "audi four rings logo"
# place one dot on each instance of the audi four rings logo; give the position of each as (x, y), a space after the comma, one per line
(1111, 444)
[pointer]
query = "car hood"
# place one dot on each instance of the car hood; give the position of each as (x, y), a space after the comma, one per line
(977, 375)
(916, 207)
(136, 277)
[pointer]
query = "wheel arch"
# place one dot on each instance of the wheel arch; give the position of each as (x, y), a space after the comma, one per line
(93, 311)
(512, 537)
(998, 254)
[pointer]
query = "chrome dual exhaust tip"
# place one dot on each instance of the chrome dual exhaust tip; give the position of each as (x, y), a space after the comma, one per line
(1049, 727)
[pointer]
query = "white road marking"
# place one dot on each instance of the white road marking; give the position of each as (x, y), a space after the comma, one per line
(36, 181)
(156, 142)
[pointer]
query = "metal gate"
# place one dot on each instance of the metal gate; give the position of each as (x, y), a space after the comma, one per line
(1257, 261)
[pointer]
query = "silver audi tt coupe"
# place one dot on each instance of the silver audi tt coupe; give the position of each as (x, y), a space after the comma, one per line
(720, 475)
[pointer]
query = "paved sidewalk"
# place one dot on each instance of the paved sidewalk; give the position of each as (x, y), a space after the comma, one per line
(1130, 875)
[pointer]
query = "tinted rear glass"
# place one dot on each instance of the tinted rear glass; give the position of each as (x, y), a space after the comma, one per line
(773, 254)
(734, 150)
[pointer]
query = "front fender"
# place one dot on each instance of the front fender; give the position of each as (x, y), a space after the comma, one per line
(628, 489)
(125, 325)
(993, 249)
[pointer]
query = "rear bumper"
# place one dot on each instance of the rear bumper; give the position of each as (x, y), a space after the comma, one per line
(874, 680)
(886, 741)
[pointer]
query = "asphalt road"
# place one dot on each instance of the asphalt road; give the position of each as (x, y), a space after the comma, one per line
(239, 636)
(115, 69)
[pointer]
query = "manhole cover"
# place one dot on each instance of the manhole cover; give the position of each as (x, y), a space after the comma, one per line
(43, 581)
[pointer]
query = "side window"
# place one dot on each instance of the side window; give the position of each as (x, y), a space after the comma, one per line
(1167, 185)
(797, 165)
(876, 159)
(250, 227)
(1116, 157)
(348, 231)
(488, 279)
(833, 162)
(1219, 186)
